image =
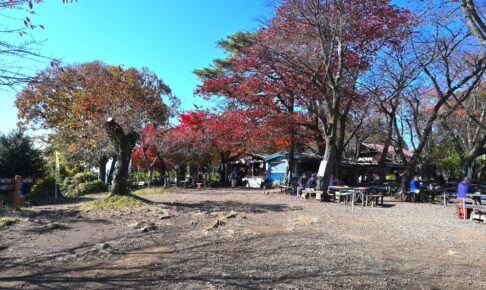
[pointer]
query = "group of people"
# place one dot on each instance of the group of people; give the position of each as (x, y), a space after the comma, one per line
(306, 182)
(463, 188)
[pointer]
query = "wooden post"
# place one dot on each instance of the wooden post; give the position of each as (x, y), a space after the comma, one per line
(16, 192)
(464, 208)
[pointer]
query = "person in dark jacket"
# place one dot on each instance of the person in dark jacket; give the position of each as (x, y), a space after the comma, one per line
(312, 182)
(302, 183)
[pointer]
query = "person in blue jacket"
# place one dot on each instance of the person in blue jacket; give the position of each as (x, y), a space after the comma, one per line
(414, 188)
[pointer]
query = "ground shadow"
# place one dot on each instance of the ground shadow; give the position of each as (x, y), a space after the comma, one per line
(221, 206)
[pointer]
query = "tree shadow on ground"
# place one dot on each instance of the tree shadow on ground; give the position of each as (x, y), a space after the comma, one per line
(262, 262)
(222, 206)
(38, 201)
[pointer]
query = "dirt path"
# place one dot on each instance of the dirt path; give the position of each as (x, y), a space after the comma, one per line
(224, 239)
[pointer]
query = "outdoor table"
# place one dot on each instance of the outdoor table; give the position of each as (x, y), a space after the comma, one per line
(332, 189)
(381, 189)
(476, 197)
(362, 192)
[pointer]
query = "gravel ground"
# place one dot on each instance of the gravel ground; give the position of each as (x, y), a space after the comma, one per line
(240, 239)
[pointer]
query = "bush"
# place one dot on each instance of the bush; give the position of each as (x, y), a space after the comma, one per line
(81, 184)
(45, 184)
(91, 187)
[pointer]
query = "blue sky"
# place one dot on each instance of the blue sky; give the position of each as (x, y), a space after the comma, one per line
(172, 38)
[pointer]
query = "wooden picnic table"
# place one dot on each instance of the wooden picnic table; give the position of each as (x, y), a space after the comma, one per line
(466, 206)
(343, 191)
(476, 197)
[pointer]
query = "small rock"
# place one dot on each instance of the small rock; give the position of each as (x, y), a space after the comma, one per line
(148, 227)
(137, 225)
(231, 214)
(164, 214)
(218, 223)
(103, 248)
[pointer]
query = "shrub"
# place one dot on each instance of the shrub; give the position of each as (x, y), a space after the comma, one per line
(45, 184)
(91, 187)
(81, 184)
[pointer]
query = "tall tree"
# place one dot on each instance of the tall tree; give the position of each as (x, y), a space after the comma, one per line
(18, 156)
(94, 95)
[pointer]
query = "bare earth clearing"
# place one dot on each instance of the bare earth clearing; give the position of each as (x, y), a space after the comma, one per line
(262, 241)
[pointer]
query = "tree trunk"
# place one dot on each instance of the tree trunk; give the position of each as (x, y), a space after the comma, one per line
(112, 168)
(162, 171)
(102, 168)
(147, 163)
(330, 157)
(222, 177)
(290, 158)
(124, 144)
(466, 167)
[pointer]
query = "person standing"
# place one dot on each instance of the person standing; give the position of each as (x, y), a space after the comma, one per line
(463, 188)
(233, 178)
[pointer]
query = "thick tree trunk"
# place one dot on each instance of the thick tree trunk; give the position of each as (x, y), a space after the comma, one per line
(223, 175)
(124, 144)
(330, 157)
(466, 167)
(290, 158)
(112, 168)
(102, 168)
(162, 170)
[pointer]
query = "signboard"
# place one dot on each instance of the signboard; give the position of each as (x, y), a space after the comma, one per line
(322, 168)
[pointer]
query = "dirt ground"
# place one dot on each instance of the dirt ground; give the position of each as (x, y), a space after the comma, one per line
(242, 239)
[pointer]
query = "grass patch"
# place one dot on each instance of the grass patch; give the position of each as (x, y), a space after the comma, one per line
(115, 201)
(6, 222)
(152, 190)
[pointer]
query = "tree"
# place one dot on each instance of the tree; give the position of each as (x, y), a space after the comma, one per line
(309, 58)
(94, 95)
(465, 128)
(451, 67)
(18, 156)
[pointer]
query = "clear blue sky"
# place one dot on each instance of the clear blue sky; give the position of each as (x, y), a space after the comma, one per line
(171, 37)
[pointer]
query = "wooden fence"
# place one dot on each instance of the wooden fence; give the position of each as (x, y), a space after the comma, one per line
(11, 189)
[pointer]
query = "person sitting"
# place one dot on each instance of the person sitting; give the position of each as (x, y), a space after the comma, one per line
(333, 181)
(312, 182)
(414, 189)
(302, 183)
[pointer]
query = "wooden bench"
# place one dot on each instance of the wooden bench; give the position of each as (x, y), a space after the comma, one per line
(311, 192)
(464, 209)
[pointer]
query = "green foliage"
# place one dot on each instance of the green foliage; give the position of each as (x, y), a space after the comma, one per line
(450, 165)
(19, 157)
(44, 184)
(232, 45)
(91, 187)
(81, 184)
(115, 202)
